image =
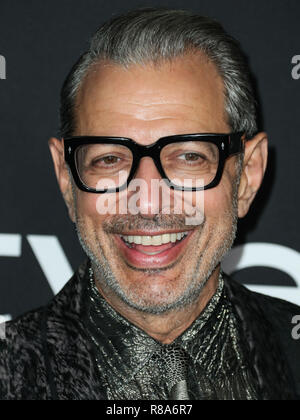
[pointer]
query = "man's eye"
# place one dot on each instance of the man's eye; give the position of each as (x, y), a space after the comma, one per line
(107, 160)
(191, 157)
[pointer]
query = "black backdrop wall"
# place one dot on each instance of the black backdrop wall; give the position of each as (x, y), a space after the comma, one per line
(39, 41)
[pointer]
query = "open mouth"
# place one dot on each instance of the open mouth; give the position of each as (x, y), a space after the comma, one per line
(152, 250)
(147, 243)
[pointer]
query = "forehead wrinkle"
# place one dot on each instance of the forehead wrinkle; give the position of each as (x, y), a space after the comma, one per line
(143, 132)
(143, 128)
(115, 99)
(149, 112)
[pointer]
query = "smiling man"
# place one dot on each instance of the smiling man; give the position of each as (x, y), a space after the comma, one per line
(159, 156)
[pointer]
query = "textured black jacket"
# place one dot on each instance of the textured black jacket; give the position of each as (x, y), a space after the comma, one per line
(46, 354)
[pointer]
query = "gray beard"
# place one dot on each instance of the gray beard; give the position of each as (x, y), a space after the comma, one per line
(108, 283)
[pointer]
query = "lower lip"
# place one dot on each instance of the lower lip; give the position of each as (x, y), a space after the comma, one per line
(140, 260)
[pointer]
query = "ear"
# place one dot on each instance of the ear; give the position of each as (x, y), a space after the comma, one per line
(254, 167)
(62, 174)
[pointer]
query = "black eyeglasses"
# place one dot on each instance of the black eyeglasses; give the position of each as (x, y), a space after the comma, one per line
(108, 164)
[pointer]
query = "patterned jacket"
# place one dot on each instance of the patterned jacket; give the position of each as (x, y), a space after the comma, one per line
(46, 355)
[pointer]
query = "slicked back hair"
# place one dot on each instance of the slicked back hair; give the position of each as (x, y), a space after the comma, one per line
(155, 35)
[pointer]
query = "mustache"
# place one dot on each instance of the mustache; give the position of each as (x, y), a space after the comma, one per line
(118, 224)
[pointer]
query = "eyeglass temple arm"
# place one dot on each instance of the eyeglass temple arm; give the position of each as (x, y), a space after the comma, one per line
(236, 143)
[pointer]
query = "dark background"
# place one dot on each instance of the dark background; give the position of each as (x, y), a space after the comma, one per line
(40, 40)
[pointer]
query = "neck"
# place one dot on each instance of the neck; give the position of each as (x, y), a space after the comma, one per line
(165, 328)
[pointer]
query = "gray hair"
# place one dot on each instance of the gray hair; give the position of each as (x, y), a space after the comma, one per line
(154, 35)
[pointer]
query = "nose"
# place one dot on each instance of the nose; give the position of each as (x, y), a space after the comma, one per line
(149, 184)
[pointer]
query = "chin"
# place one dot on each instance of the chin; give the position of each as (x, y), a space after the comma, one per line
(158, 297)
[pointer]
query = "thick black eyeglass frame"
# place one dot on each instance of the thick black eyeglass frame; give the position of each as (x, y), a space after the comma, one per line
(228, 145)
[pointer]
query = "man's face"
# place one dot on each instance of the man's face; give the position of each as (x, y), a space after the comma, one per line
(145, 103)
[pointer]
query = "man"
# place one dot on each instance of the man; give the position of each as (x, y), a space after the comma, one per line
(161, 95)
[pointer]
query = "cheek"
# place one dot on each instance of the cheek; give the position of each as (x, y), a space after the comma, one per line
(218, 201)
(215, 202)
(100, 206)
(87, 208)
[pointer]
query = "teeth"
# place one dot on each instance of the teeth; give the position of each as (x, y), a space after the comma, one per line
(137, 240)
(173, 237)
(154, 240)
(146, 240)
(165, 238)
